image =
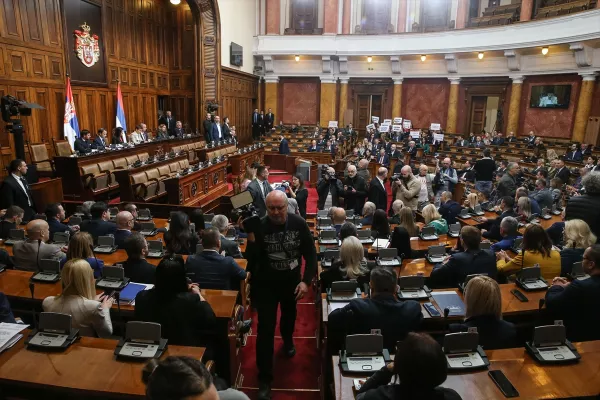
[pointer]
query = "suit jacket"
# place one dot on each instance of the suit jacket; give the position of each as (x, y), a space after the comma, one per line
(178, 132)
(162, 135)
(98, 227)
(507, 186)
(99, 143)
(355, 200)
(82, 146)
(469, 174)
(449, 211)
(564, 174)
(120, 236)
(214, 271)
(215, 133)
(230, 248)
(12, 194)
(139, 271)
(456, 269)
(494, 333)
(323, 188)
(284, 147)
(576, 305)
(25, 254)
(543, 198)
(378, 194)
(498, 141)
(5, 228)
(207, 125)
(257, 196)
(385, 162)
(226, 131)
(462, 143)
(412, 152)
(269, 120)
(57, 226)
(395, 154)
(6, 314)
(574, 155)
(314, 149)
(493, 230)
(169, 122)
(87, 315)
(395, 319)
(410, 194)
(256, 120)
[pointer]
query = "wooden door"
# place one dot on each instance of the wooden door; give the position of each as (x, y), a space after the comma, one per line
(377, 107)
(364, 111)
(435, 15)
(376, 16)
(478, 106)
(304, 16)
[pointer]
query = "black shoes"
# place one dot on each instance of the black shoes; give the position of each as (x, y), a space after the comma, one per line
(264, 391)
(289, 350)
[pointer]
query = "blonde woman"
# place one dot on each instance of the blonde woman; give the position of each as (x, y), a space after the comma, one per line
(80, 247)
(433, 219)
(471, 201)
(407, 221)
(352, 265)
(524, 208)
(483, 306)
(577, 237)
(90, 313)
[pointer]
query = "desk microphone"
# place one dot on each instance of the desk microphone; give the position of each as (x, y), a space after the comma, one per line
(38, 254)
(94, 254)
(446, 323)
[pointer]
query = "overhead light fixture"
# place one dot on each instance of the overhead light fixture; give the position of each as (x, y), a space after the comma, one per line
(175, 2)
(544, 51)
(297, 58)
(480, 55)
(369, 59)
(423, 57)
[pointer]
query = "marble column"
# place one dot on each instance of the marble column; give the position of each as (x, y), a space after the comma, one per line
(584, 105)
(330, 16)
(397, 98)
(514, 107)
(271, 95)
(273, 8)
(327, 109)
(452, 106)
(461, 14)
(347, 15)
(343, 102)
(526, 10)
(402, 10)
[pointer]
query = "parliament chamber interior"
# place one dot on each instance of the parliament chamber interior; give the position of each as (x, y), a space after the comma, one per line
(299, 199)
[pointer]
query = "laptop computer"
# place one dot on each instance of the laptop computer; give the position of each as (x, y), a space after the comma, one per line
(364, 235)
(106, 245)
(15, 235)
(436, 254)
(428, 233)
(328, 237)
(388, 258)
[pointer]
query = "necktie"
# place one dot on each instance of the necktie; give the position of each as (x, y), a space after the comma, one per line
(264, 189)
(381, 161)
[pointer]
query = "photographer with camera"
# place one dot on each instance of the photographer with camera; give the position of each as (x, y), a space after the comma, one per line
(355, 190)
(329, 189)
(275, 251)
(297, 191)
(406, 187)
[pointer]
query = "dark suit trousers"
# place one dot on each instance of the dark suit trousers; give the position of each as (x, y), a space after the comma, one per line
(267, 299)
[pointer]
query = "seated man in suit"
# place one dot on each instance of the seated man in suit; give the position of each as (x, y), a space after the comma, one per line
(542, 194)
(83, 144)
(314, 147)
(132, 208)
(574, 154)
(100, 224)
(124, 222)
(12, 220)
(212, 270)
(394, 153)
(562, 171)
(498, 140)
(395, 318)
(136, 267)
(412, 148)
(449, 209)
(509, 230)
(471, 261)
(383, 158)
(178, 132)
(55, 214)
(101, 140)
(284, 146)
(461, 142)
(230, 248)
(493, 225)
(575, 303)
(136, 136)
(338, 217)
(26, 254)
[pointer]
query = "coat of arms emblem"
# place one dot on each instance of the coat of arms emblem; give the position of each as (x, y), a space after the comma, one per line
(86, 46)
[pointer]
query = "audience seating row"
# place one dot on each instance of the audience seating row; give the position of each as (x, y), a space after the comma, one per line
(563, 9)
(99, 177)
(150, 184)
(190, 148)
(513, 9)
(496, 19)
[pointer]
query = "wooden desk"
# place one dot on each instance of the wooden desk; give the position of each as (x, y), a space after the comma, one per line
(196, 187)
(532, 380)
(46, 192)
(239, 161)
(87, 368)
(206, 153)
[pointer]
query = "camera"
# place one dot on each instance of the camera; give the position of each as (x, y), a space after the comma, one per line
(396, 177)
(242, 204)
(285, 184)
(325, 172)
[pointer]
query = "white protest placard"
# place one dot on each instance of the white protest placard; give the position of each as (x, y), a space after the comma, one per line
(397, 120)
(384, 128)
(406, 124)
(438, 137)
(370, 126)
(435, 127)
(387, 122)
(415, 134)
(375, 119)
(396, 128)
(333, 124)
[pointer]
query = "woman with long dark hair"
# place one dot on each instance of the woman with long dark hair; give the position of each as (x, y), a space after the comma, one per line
(297, 191)
(380, 227)
(117, 136)
(179, 238)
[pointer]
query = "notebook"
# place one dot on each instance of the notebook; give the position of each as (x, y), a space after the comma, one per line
(127, 295)
(10, 334)
(450, 300)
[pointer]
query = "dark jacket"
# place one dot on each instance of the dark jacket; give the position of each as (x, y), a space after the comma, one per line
(214, 271)
(6, 314)
(323, 188)
(377, 388)
(564, 174)
(169, 122)
(543, 198)
(355, 200)
(257, 197)
(207, 125)
(120, 236)
(400, 240)
(449, 211)
(587, 208)
(335, 274)
(493, 231)
(184, 319)
(82, 146)
(494, 333)
(215, 133)
(568, 256)
(378, 194)
(507, 186)
(99, 143)
(284, 147)
(96, 264)
(395, 318)
(556, 232)
(301, 199)
(5, 228)
(11, 194)
(230, 248)
(140, 271)
(456, 269)
(98, 227)
(577, 305)
(57, 226)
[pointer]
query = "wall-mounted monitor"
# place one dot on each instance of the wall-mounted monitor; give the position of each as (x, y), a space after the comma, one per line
(550, 96)
(236, 53)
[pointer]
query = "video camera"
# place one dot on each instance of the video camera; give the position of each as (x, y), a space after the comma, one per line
(242, 204)
(396, 177)
(13, 107)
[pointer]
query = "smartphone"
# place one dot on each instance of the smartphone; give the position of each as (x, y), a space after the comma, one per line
(503, 383)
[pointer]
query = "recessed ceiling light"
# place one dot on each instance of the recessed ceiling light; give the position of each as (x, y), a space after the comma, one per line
(297, 58)
(544, 51)
(175, 2)
(480, 55)
(369, 59)
(423, 57)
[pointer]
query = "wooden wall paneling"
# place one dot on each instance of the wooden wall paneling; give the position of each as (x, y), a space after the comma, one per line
(31, 21)
(2, 61)
(10, 27)
(17, 61)
(51, 23)
(102, 116)
(42, 130)
(37, 65)
(110, 41)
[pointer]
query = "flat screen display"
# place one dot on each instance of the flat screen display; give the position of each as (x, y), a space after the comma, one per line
(236, 55)
(550, 96)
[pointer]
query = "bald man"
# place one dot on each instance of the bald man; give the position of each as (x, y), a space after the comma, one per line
(25, 253)
(363, 170)
(275, 258)
(377, 190)
(125, 221)
(338, 217)
(407, 188)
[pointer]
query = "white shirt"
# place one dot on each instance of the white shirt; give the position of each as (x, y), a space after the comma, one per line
(18, 178)
(219, 129)
(262, 188)
(423, 196)
(381, 181)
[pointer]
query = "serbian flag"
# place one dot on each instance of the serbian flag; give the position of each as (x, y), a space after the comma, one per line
(71, 129)
(121, 112)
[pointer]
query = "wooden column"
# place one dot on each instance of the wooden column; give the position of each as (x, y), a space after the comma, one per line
(328, 101)
(271, 95)
(461, 14)
(397, 99)
(330, 16)
(584, 106)
(402, 10)
(514, 105)
(526, 10)
(346, 17)
(452, 105)
(273, 16)
(343, 102)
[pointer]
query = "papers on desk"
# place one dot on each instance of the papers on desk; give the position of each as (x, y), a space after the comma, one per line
(450, 300)
(128, 294)
(381, 243)
(10, 334)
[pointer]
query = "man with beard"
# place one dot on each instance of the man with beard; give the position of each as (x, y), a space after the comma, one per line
(355, 190)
